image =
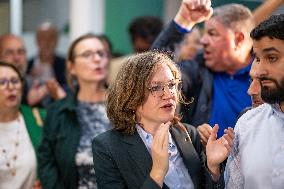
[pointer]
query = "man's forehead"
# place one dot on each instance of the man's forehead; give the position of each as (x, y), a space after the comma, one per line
(267, 42)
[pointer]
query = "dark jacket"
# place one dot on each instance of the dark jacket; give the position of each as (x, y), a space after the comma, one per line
(197, 79)
(61, 135)
(59, 68)
(123, 161)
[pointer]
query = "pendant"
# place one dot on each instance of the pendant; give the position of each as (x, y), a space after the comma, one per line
(13, 171)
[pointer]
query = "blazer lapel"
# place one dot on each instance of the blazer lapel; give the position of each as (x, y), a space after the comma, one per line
(189, 155)
(139, 153)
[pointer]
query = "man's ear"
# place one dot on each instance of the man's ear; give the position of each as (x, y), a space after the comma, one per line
(239, 38)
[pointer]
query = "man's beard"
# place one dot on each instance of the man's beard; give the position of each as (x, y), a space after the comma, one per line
(275, 95)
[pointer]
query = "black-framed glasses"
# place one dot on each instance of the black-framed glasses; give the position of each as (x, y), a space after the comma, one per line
(90, 55)
(158, 89)
(4, 82)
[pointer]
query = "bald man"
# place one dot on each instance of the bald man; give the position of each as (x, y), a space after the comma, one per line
(12, 50)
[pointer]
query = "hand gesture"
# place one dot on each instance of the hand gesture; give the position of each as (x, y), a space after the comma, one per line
(37, 185)
(192, 12)
(160, 155)
(217, 150)
(55, 90)
(204, 132)
(36, 93)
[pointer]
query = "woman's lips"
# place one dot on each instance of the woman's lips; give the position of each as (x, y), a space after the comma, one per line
(12, 97)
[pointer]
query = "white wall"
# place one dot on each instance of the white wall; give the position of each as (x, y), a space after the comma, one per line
(38, 11)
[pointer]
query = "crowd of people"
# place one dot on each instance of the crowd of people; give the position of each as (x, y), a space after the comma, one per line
(191, 109)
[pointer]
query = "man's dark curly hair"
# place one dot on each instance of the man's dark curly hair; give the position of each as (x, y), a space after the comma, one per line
(146, 27)
(272, 27)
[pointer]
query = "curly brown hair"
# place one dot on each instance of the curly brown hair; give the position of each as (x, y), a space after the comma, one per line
(130, 88)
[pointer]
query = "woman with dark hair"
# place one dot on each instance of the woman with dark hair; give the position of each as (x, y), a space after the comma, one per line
(20, 131)
(65, 156)
(149, 147)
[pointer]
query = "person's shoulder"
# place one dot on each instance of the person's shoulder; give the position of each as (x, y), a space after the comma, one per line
(108, 136)
(254, 113)
(33, 113)
(31, 60)
(189, 127)
(67, 102)
(107, 140)
(59, 57)
(252, 119)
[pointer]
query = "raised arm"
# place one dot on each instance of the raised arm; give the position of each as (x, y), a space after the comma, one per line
(266, 9)
(190, 13)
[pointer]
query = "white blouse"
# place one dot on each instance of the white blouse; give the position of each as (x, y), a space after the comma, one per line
(17, 156)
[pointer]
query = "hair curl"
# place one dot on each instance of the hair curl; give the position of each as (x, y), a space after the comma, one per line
(146, 27)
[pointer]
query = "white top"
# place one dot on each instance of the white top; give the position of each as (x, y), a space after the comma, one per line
(25, 164)
(257, 158)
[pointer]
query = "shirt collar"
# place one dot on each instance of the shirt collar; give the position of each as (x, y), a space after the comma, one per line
(148, 138)
(276, 109)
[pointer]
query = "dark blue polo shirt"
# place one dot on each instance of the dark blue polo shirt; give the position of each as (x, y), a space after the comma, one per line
(229, 98)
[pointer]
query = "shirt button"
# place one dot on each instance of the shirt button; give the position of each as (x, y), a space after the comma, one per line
(203, 108)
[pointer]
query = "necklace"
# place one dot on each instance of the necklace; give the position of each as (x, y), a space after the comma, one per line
(10, 161)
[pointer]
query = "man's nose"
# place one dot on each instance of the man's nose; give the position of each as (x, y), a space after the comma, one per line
(204, 40)
(254, 88)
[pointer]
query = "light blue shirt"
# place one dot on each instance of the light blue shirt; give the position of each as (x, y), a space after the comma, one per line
(257, 158)
(177, 176)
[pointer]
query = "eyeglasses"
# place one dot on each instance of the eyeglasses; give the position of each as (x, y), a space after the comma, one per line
(158, 89)
(16, 82)
(90, 55)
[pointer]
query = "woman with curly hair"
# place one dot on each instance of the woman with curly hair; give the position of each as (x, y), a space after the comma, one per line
(149, 147)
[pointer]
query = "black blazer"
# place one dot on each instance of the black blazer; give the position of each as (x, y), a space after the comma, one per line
(122, 161)
(59, 68)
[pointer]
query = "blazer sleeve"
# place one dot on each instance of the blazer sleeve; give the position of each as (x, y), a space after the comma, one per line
(107, 172)
(47, 169)
(168, 38)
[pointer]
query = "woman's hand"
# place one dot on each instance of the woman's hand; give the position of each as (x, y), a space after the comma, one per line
(204, 132)
(55, 90)
(37, 185)
(217, 150)
(160, 155)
